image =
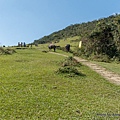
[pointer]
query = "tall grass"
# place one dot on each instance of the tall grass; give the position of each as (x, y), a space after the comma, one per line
(30, 89)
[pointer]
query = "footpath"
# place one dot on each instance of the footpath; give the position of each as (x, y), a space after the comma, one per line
(111, 76)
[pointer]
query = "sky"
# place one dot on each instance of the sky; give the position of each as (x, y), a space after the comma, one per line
(29, 20)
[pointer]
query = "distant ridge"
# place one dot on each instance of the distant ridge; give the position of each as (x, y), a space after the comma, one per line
(81, 30)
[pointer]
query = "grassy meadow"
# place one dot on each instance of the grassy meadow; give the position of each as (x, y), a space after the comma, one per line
(30, 89)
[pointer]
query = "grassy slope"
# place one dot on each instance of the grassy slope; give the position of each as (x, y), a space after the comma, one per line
(70, 41)
(110, 66)
(30, 89)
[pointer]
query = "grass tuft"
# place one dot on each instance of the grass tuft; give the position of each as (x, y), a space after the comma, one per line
(69, 67)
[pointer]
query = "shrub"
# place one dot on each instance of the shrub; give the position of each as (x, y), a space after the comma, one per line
(69, 70)
(69, 67)
(100, 58)
(70, 61)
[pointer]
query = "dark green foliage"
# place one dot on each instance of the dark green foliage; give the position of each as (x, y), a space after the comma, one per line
(69, 68)
(103, 42)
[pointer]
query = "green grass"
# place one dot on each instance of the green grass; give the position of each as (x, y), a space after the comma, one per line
(114, 67)
(31, 90)
(71, 41)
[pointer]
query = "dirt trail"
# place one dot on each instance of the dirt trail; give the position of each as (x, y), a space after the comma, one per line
(111, 76)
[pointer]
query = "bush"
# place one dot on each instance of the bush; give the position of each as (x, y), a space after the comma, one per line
(70, 61)
(100, 58)
(69, 67)
(70, 71)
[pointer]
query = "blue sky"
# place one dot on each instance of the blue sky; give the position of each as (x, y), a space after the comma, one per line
(28, 20)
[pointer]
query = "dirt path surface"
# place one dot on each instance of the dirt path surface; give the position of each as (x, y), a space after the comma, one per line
(111, 76)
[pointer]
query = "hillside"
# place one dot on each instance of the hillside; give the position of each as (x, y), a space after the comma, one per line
(100, 38)
(70, 31)
(80, 30)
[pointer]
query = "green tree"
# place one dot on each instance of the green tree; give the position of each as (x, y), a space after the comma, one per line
(102, 40)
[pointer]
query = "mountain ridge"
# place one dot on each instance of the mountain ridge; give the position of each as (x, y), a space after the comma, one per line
(82, 30)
